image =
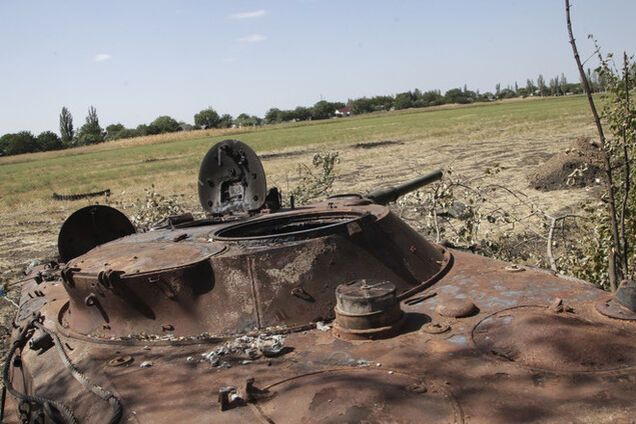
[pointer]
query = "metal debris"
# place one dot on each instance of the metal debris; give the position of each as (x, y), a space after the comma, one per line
(322, 326)
(557, 305)
(244, 349)
(514, 268)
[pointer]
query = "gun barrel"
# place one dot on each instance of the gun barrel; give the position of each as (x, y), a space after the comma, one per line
(385, 195)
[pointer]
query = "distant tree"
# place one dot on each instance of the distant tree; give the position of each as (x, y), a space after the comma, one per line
(382, 103)
(118, 131)
(128, 133)
(92, 117)
(66, 126)
(403, 100)
(90, 132)
(166, 124)
(18, 143)
(113, 131)
(242, 120)
(245, 120)
(207, 118)
(506, 93)
(516, 90)
(143, 129)
(497, 89)
(187, 127)
(302, 113)
(4, 143)
(323, 110)
(456, 95)
(48, 140)
(361, 105)
(541, 85)
(432, 98)
(338, 105)
(488, 96)
(555, 90)
(273, 116)
(225, 121)
(530, 87)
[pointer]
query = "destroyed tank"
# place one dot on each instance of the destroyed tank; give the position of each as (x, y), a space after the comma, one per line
(334, 312)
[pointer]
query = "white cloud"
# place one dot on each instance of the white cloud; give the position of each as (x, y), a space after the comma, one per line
(254, 38)
(102, 57)
(248, 15)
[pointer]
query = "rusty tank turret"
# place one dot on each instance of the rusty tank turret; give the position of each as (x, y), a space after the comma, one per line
(335, 312)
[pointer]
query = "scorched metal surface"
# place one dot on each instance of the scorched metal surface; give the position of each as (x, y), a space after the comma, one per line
(231, 319)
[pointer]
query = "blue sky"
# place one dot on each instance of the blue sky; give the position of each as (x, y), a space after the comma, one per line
(136, 60)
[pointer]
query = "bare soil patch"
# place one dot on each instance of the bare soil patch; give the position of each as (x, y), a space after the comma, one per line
(372, 144)
(579, 165)
(278, 155)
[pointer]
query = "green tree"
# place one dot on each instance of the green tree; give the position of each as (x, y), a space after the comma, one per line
(90, 132)
(166, 124)
(18, 143)
(273, 116)
(456, 95)
(403, 100)
(361, 105)
(530, 87)
(113, 131)
(541, 85)
(323, 110)
(245, 120)
(48, 140)
(382, 103)
(555, 90)
(66, 126)
(187, 127)
(207, 118)
(301, 113)
(143, 129)
(431, 98)
(506, 93)
(225, 121)
(563, 82)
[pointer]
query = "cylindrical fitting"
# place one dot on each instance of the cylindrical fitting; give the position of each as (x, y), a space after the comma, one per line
(366, 309)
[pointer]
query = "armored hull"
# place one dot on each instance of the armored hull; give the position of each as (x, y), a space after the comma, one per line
(336, 312)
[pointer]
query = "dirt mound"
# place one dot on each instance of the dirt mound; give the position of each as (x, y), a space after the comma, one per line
(580, 165)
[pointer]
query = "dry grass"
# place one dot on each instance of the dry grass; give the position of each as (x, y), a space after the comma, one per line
(516, 136)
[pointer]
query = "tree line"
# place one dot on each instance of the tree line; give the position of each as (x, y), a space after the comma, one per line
(91, 132)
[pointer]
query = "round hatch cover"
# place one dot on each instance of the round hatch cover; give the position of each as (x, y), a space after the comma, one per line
(90, 227)
(538, 339)
(231, 179)
(143, 257)
(359, 395)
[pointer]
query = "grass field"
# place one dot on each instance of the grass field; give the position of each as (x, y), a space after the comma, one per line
(517, 135)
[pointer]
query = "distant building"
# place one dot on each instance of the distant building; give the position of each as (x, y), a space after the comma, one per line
(345, 111)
